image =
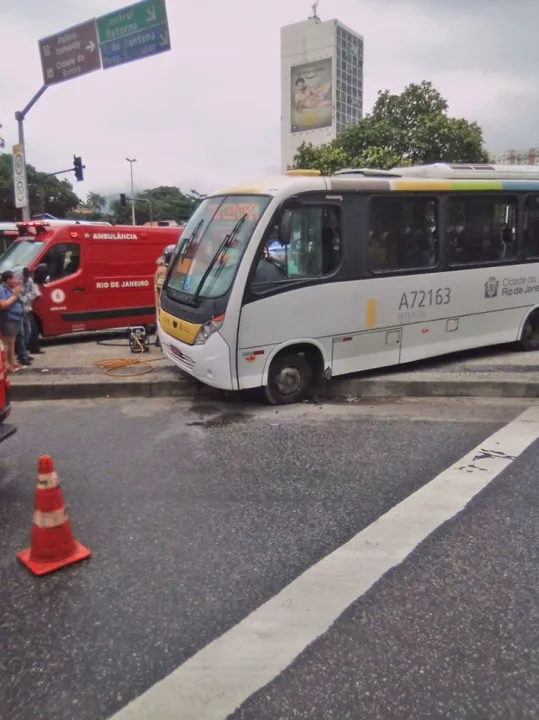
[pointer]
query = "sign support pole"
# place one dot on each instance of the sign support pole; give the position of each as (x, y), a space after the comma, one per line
(19, 117)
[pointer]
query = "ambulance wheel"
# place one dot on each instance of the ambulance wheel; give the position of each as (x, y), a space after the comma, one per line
(529, 340)
(290, 379)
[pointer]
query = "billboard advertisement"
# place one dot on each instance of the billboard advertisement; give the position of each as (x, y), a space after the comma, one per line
(311, 90)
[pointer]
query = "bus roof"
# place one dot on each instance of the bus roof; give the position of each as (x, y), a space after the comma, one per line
(437, 177)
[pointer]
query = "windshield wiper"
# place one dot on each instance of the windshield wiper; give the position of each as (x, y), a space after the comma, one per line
(185, 247)
(188, 243)
(227, 241)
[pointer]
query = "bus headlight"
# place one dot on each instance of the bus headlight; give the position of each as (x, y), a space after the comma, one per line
(208, 329)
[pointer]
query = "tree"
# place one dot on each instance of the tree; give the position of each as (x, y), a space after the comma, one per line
(167, 203)
(47, 193)
(412, 128)
(95, 202)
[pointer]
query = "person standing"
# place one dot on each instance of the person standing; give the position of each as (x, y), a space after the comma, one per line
(27, 342)
(159, 279)
(11, 315)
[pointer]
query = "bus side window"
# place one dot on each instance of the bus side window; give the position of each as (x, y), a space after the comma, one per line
(481, 229)
(62, 260)
(531, 227)
(315, 245)
(314, 250)
(402, 233)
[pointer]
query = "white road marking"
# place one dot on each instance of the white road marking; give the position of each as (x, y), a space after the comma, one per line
(221, 676)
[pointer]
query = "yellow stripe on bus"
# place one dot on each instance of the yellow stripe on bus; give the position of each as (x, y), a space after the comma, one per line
(371, 313)
(413, 185)
(435, 185)
(179, 329)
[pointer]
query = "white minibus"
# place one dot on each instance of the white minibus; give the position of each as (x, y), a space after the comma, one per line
(283, 282)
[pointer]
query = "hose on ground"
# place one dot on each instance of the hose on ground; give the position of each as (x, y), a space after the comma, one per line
(115, 364)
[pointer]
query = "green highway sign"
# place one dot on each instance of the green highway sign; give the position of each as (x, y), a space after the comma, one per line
(131, 20)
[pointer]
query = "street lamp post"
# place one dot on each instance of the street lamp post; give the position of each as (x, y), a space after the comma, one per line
(133, 219)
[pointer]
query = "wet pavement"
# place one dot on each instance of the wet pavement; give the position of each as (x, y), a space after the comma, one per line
(451, 633)
(196, 515)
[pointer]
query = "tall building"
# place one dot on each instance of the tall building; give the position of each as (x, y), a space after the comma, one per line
(321, 82)
(516, 157)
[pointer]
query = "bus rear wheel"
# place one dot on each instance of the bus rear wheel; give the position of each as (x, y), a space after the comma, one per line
(529, 339)
(290, 379)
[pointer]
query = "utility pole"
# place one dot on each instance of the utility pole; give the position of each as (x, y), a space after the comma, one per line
(19, 117)
(133, 219)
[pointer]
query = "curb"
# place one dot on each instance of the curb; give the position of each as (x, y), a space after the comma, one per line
(94, 390)
(356, 388)
(394, 388)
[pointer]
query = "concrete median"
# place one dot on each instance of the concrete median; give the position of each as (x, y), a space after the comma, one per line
(68, 371)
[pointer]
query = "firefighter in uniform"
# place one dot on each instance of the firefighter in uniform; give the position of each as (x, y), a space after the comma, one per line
(159, 278)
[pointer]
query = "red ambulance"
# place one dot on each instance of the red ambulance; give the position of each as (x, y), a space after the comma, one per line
(8, 234)
(91, 277)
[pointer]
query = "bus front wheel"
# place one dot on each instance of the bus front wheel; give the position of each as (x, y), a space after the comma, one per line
(290, 379)
(530, 332)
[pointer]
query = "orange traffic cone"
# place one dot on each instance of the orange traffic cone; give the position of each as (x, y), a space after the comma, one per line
(52, 543)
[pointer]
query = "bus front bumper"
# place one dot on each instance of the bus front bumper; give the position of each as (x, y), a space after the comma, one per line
(209, 363)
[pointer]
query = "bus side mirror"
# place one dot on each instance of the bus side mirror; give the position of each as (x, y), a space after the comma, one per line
(285, 228)
(285, 222)
(40, 274)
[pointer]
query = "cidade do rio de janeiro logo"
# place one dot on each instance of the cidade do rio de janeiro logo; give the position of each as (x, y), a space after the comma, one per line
(491, 287)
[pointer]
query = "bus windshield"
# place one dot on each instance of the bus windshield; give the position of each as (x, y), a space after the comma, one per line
(20, 254)
(213, 243)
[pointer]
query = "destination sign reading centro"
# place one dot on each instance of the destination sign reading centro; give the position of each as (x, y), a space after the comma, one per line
(69, 54)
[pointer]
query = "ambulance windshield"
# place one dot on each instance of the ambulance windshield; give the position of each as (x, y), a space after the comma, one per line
(213, 243)
(20, 254)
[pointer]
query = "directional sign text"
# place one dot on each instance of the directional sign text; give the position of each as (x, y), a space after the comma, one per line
(131, 19)
(69, 54)
(135, 47)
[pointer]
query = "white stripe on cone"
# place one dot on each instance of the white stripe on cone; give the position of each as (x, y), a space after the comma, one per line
(47, 480)
(50, 519)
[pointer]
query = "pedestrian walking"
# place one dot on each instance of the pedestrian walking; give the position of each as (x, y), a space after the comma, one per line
(11, 315)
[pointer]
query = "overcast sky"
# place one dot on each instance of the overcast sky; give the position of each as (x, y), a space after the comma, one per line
(208, 112)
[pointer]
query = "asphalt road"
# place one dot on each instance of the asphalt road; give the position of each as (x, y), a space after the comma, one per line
(452, 633)
(196, 516)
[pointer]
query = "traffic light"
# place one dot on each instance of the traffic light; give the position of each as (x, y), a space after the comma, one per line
(123, 199)
(78, 168)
